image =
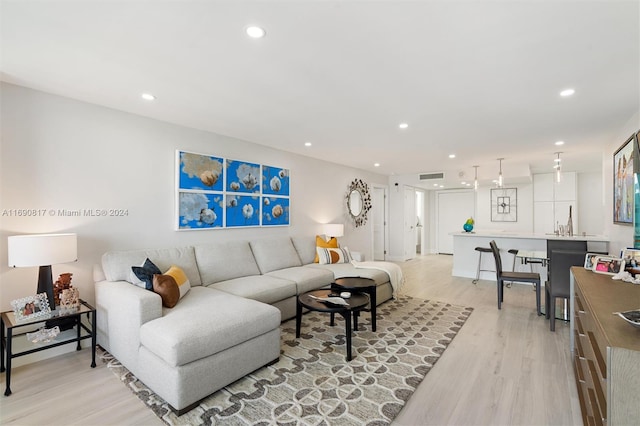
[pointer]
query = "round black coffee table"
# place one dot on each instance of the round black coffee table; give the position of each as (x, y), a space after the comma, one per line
(364, 285)
(356, 302)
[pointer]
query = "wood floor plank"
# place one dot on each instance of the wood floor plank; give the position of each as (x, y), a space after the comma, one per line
(503, 368)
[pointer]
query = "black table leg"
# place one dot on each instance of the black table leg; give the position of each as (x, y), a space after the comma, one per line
(372, 300)
(298, 317)
(78, 320)
(7, 391)
(347, 320)
(332, 317)
(356, 314)
(2, 352)
(93, 339)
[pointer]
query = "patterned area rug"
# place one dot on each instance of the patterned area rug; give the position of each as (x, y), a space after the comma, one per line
(312, 384)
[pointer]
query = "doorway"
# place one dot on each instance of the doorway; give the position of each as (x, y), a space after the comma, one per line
(453, 209)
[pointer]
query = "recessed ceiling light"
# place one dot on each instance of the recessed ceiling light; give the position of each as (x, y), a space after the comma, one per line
(567, 92)
(376, 165)
(559, 142)
(255, 32)
(148, 97)
(463, 183)
(441, 186)
(435, 184)
(308, 144)
(403, 125)
(452, 156)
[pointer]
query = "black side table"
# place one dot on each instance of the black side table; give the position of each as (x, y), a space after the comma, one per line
(9, 323)
(364, 285)
(356, 302)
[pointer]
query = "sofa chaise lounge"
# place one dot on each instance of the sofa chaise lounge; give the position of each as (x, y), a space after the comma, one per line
(226, 326)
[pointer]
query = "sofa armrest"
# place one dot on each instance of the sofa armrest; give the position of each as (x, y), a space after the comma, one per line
(122, 309)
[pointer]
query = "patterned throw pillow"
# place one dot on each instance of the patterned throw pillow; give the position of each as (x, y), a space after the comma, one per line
(167, 288)
(333, 255)
(181, 279)
(145, 274)
(322, 243)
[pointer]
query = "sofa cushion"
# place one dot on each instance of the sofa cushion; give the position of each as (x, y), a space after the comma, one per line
(145, 274)
(275, 253)
(263, 288)
(341, 270)
(322, 243)
(117, 264)
(181, 279)
(306, 279)
(166, 287)
(205, 322)
(225, 261)
(306, 248)
(333, 255)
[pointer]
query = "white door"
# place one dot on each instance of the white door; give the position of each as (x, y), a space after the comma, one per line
(410, 222)
(454, 208)
(379, 219)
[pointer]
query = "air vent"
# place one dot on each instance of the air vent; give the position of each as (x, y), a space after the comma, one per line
(429, 176)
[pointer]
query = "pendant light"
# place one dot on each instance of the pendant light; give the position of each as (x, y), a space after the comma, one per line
(558, 167)
(500, 179)
(475, 181)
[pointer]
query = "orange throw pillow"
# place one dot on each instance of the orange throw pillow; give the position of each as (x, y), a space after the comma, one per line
(322, 243)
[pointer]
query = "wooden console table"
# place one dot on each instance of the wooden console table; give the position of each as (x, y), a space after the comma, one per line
(605, 348)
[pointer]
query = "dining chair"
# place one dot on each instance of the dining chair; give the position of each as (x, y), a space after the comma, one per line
(519, 277)
(558, 285)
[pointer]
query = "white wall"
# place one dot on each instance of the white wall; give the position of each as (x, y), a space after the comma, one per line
(525, 210)
(590, 204)
(58, 153)
(621, 236)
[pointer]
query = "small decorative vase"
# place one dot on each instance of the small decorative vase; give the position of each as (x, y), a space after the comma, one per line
(467, 227)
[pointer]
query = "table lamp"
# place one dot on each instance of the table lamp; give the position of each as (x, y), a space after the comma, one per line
(42, 250)
(333, 230)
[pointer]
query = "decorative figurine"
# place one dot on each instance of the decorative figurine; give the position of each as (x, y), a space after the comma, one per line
(63, 283)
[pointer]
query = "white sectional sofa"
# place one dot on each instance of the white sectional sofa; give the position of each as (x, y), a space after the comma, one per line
(226, 326)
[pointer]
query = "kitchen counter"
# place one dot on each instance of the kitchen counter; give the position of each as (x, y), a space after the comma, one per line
(531, 236)
(465, 258)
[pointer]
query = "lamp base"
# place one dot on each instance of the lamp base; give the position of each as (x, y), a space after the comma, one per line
(45, 284)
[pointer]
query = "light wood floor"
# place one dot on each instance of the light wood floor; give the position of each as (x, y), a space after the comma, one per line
(503, 368)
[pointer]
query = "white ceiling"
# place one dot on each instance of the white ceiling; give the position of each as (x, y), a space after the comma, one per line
(480, 79)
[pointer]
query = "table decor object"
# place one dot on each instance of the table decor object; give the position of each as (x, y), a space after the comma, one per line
(31, 308)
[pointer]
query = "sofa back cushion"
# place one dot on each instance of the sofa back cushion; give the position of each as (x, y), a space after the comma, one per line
(225, 261)
(117, 264)
(306, 248)
(275, 253)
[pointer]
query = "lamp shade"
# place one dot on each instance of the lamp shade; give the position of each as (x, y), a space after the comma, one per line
(333, 229)
(42, 249)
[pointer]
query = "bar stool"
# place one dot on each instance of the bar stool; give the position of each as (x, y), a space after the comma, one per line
(514, 252)
(481, 250)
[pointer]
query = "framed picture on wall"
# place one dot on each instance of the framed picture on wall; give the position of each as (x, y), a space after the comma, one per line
(623, 183)
(504, 205)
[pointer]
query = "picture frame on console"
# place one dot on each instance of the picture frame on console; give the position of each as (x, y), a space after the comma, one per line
(589, 259)
(623, 183)
(31, 307)
(608, 265)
